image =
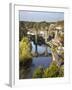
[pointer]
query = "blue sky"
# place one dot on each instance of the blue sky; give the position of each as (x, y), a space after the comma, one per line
(40, 16)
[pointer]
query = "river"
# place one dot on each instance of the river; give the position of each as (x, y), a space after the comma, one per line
(36, 62)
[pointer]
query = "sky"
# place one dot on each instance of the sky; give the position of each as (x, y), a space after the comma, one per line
(40, 16)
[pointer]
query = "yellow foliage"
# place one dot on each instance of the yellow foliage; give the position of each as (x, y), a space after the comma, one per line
(24, 49)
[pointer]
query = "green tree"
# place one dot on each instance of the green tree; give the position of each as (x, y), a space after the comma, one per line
(25, 56)
(22, 30)
(36, 27)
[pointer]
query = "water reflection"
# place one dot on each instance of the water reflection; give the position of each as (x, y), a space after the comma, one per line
(26, 73)
(36, 62)
(41, 48)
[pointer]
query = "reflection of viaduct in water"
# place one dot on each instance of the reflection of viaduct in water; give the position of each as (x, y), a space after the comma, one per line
(45, 34)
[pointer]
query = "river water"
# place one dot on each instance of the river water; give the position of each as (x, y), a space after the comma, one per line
(41, 48)
(36, 62)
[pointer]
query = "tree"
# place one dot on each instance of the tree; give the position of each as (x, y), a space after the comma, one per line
(25, 56)
(36, 27)
(22, 30)
(45, 27)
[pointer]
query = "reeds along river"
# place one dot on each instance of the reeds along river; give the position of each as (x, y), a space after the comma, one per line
(36, 62)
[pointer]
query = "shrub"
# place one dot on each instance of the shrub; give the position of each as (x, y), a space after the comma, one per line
(52, 71)
(61, 71)
(38, 73)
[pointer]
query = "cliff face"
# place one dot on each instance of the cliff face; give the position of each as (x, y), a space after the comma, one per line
(40, 24)
(61, 23)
